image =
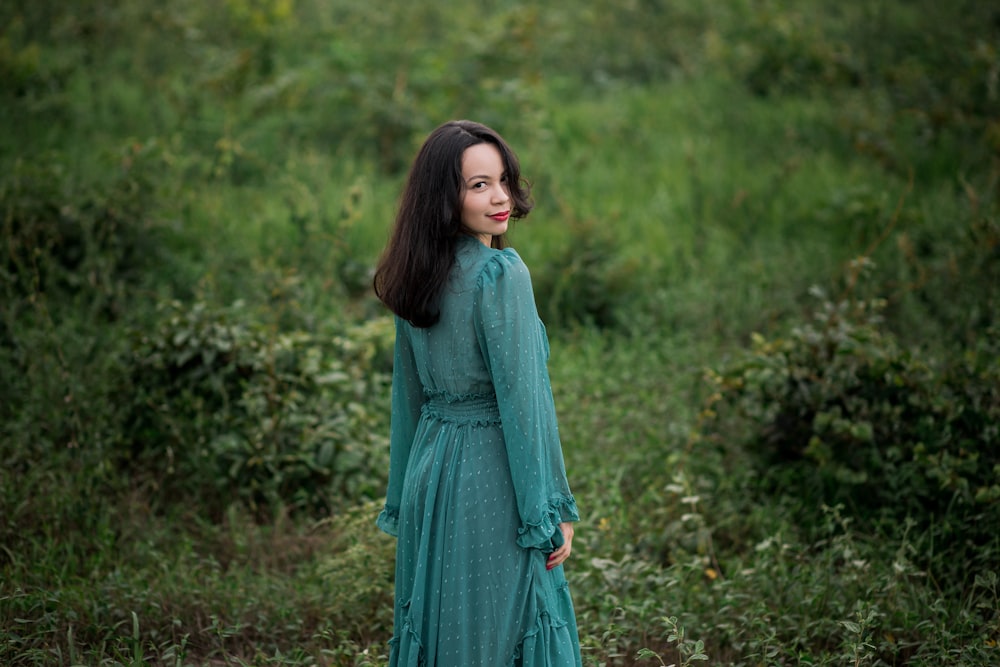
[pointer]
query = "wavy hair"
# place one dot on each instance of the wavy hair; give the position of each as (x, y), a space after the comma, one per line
(415, 264)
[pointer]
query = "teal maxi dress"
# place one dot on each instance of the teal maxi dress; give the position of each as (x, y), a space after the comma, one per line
(477, 484)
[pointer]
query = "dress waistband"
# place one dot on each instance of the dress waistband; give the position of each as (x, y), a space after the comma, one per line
(477, 409)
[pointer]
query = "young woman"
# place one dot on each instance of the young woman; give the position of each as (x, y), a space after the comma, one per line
(477, 495)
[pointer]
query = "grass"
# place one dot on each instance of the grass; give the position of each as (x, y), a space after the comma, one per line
(695, 209)
(232, 592)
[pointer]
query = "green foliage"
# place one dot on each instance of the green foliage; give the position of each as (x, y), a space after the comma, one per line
(788, 52)
(933, 61)
(70, 237)
(690, 651)
(838, 412)
(192, 198)
(359, 575)
(255, 594)
(586, 282)
(224, 407)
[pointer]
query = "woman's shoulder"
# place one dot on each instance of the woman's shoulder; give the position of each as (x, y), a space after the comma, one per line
(505, 275)
(482, 262)
(498, 265)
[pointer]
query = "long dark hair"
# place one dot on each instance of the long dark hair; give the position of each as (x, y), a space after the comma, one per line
(415, 264)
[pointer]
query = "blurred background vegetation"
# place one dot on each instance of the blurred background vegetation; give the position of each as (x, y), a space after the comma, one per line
(766, 246)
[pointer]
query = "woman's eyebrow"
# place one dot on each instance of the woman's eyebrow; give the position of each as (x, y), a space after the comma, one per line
(484, 177)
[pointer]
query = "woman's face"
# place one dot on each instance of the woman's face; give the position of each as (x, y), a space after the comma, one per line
(485, 194)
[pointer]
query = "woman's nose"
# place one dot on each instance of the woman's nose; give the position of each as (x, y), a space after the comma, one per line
(500, 194)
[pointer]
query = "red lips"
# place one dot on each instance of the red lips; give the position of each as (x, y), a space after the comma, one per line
(500, 217)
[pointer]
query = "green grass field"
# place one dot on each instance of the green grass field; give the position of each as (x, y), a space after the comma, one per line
(766, 247)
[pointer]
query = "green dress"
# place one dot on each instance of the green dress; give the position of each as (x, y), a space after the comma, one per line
(477, 483)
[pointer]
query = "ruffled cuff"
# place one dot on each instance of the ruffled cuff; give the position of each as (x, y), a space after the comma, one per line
(545, 534)
(388, 520)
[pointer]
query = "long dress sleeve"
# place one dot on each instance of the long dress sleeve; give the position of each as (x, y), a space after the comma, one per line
(407, 397)
(515, 348)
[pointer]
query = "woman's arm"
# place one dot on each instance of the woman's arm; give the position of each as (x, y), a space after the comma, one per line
(516, 352)
(407, 397)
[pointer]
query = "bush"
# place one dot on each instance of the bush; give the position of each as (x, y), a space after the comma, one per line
(586, 282)
(838, 412)
(359, 572)
(224, 408)
(68, 237)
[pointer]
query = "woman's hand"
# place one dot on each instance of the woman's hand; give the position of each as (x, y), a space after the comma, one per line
(559, 556)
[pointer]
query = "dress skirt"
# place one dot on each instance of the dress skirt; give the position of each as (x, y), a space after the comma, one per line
(466, 593)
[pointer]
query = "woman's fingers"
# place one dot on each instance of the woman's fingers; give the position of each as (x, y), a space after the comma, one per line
(559, 556)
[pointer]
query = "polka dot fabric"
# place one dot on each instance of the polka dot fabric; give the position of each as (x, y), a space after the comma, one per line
(477, 483)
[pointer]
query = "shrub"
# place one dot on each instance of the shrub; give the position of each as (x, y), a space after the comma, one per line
(359, 573)
(786, 52)
(838, 412)
(586, 282)
(64, 236)
(224, 408)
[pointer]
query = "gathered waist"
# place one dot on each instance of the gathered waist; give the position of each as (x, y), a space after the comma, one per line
(473, 409)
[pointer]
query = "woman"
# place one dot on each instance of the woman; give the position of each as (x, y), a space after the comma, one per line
(477, 495)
